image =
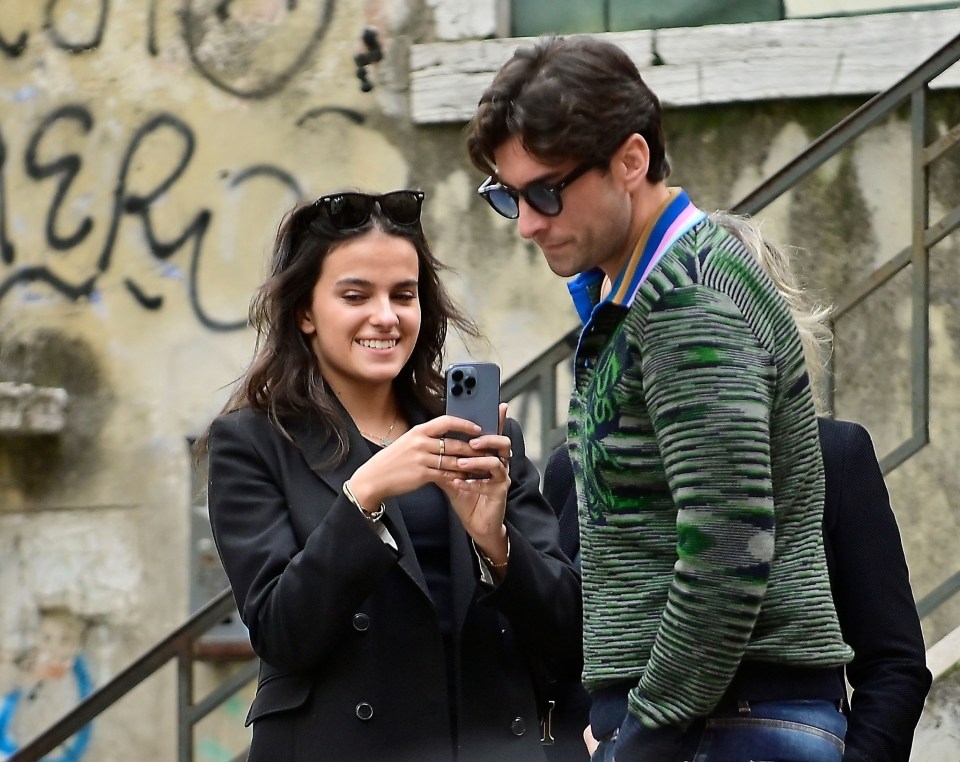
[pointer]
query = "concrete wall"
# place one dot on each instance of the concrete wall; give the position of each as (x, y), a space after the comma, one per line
(938, 734)
(147, 152)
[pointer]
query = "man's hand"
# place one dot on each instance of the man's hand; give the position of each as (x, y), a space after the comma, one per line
(589, 741)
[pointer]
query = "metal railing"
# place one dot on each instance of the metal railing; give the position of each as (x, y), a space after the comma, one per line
(539, 381)
(181, 645)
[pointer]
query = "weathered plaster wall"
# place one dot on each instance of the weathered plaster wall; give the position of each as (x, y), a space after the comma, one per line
(146, 154)
(846, 220)
(147, 151)
(938, 733)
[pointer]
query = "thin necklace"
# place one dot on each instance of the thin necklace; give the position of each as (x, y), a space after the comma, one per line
(385, 439)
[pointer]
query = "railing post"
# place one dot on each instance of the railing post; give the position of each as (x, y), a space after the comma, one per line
(547, 388)
(920, 212)
(185, 704)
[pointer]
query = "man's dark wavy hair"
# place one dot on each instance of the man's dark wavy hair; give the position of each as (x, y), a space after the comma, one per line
(568, 98)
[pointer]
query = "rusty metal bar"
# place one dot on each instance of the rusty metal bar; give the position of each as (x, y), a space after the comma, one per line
(104, 697)
(920, 266)
(941, 145)
(902, 453)
(942, 228)
(847, 129)
(529, 375)
(859, 291)
(939, 595)
(225, 690)
(184, 706)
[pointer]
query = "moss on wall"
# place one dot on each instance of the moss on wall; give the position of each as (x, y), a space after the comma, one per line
(710, 147)
(40, 465)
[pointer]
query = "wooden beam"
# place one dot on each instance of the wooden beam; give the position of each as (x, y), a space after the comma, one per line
(794, 58)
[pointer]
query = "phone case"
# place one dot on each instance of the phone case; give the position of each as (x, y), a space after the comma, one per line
(473, 393)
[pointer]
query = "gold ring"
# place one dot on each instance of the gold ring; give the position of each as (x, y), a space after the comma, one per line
(440, 463)
(443, 446)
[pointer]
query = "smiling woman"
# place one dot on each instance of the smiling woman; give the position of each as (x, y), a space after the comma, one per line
(364, 319)
(399, 607)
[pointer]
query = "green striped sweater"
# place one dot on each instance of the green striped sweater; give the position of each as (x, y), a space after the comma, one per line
(700, 484)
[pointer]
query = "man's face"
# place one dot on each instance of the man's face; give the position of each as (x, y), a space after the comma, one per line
(594, 228)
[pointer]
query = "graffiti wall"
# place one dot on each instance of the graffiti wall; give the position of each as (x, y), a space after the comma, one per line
(147, 152)
(136, 140)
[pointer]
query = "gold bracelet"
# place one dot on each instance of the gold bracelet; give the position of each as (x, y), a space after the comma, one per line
(490, 563)
(373, 517)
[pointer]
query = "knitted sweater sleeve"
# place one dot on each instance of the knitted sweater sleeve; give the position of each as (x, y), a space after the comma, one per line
(708, 384)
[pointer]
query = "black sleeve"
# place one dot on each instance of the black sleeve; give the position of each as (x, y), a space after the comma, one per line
(560, 490)
(295, 601)
(540, 593)
(875, 604)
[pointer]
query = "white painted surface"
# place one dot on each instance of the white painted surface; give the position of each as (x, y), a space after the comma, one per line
(796, 58)
(86, 563)
(458, 20)
(937, 737)
(793, 8)
(944, 654)
(28, 409)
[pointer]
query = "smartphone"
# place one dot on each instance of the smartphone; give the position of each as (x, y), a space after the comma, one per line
(473, 393)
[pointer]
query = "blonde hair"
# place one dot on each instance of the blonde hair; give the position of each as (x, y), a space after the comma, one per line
(811, 317)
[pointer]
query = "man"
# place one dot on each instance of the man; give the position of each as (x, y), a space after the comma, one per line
(708, 621)
(871, 588)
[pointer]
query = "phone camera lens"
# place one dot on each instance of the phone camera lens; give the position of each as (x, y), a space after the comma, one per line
(470, 382)
(457, 376)
(456, 390)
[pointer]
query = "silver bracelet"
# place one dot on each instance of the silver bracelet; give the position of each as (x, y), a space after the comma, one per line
(373, 517)
(490, 563)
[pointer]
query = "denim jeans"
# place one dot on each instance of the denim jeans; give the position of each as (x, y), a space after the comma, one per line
(767, 731)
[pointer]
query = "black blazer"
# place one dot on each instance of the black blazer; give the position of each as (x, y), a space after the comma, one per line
(875, 605)
(352, 658)
(871, 590)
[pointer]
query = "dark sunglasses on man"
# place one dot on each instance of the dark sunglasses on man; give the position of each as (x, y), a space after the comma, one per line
(542, 197)
(352, 210)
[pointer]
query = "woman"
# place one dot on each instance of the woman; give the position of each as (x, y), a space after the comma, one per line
(388, 627)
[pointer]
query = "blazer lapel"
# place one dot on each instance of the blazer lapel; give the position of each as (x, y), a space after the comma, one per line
(319, 450)
(463, 571)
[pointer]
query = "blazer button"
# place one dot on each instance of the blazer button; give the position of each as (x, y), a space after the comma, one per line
(518, 727)
(364, 711)
(361, 622)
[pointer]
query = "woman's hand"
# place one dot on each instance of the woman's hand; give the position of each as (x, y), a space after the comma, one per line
(477, 488)
(417, 457)
(589, 741)
(428, 453)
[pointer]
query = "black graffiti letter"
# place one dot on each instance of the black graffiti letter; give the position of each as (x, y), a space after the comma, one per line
(6, 248)
(258, 170)
(40, 273)
(67, 166)
(14, 49)
(152, 47)
(139, 205)
(211, 27)
(75, 47)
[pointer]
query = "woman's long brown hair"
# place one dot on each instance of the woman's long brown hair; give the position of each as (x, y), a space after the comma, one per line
(283, 379)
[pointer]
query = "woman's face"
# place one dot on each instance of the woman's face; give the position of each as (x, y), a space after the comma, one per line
(364, 314)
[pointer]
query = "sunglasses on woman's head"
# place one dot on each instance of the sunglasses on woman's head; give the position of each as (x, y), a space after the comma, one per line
(351, 210)
(542, 198)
